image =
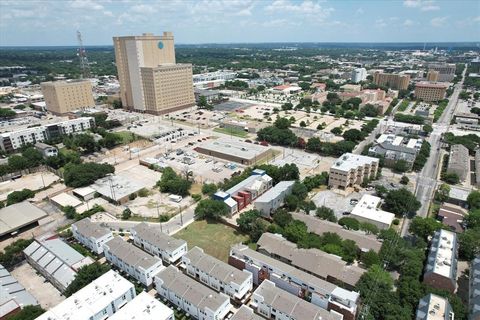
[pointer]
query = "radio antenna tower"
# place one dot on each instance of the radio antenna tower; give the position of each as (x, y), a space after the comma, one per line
(82, 55)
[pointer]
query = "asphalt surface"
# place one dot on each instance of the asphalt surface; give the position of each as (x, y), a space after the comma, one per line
(427, 179)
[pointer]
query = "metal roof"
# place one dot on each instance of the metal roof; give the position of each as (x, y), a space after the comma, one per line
(18, 215)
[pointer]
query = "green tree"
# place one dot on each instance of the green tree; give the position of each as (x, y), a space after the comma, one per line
(369, 228)
(211, 209)
(246, 219)
(171, 182)
(17, 163)
(469, 243)
(427, 128)
(400, 166)
(13, 253)
(353, 135)
(84, 174)
(70, 212)
(404, 180)
(299, 190)
(282, 218)
(450, 178)
(209, 189)
(349, 223)
(473, 200)
(126, 214)
(424, 227)
(28, 313)
(33, 156)
(291, 202)
(86, 275)
(336, 131)
(19, 196)
(370, 258)
(401, 202)
(326, 213)
(442, 192)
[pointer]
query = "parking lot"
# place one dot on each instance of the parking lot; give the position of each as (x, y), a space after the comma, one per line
(203, 118)
(32, 181)
(339, 203)
(46, 294)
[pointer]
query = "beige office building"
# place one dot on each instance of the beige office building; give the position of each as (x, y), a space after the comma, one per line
(352, 170)
(430, 91)
(446, 71)
(67, 96)
(432, 75)
(150, 80)
(392, 80)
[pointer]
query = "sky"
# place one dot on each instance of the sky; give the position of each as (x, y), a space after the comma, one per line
(50, 23)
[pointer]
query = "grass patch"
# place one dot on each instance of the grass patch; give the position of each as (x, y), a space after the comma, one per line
(126, 136)
(213, 237)
(232, 132)
(404, 105)
(439, 110)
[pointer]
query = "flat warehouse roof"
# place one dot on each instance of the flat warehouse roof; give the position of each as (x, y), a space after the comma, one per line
(18, 215)
(116, 187)
(235, 148)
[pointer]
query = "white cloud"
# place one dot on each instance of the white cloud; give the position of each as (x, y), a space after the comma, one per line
(423, 5)
(359, 12)
(380, 23)
(143, 9)
(408, 23)
(86, 4)
(438, 21)
(307, 7)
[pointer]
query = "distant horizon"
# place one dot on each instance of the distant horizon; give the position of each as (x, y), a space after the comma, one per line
(55, 23)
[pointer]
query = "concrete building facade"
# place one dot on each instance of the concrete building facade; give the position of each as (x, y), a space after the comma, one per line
(157, 243)
(97, 301)
(351, 169)
(441, 267)
(446, 71)
(271, 200)
(321, 293)
(197, 300)
(91, 235)
(430, 91)
(132, 260)
(391, 80)
(432, 75)
(150, 80)
(274, 303)
(217, 274)
(67, 96)
(433, 307)
(11, 141)
(459, 161)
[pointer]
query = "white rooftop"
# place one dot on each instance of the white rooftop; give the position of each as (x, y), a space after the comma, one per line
(349, 161)
(18, 215)
(367, 208)
(117, 187)
(445, 254)
(143, 307)
(91, 299)
(85, 191)
(236, 148)
(64, 199)
(274, 192)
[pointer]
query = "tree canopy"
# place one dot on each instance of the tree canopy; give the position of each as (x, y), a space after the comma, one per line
(211, 209)
(86, 275)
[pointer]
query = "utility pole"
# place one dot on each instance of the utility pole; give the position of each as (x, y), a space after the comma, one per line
(160, 222)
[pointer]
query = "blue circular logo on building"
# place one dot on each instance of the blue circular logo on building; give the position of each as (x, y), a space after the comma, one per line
(160, 45)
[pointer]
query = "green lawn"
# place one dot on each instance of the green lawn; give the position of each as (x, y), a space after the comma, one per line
(126, 136)
(215, 238)
(233, 132)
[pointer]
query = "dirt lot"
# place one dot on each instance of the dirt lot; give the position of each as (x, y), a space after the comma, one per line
(46, 294)
(147, 206)
(30, 181)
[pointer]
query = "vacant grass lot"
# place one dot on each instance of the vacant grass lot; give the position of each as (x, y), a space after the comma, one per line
(233, 132)
(214, 238)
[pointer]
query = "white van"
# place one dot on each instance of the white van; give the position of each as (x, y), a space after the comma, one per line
(175, 198)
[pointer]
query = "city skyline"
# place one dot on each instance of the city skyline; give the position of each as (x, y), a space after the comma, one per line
(36, 23)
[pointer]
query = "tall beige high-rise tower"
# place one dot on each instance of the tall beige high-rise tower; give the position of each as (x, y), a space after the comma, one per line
(138, 60)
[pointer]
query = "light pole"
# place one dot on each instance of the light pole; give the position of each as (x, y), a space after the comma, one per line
(159, 221)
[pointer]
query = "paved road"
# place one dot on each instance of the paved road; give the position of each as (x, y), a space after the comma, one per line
(427, 179)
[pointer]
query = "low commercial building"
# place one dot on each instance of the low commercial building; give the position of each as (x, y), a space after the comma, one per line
(209, 95)
(430, 91)
(318, 226)
(46, 150)
(132, 260)
(458, 196)
(394, 81)
(14, 140)
(271, 200)
(144, 307)
(55, 260)
(246, 191)
(236, 151)
(474, 290)
(98, 300)
(433, 307)
(157, 243)
(217, 274)
(441, 268)
(274, 303)
(459, 161)
(18, 218)
(314, 261)
(91, 235)
(67, 96)
(64, 199)
(197, 300)
(85, 193)
(321, 293)
(351, 169)
(117, 188)
(367, 210)
(13, 296)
